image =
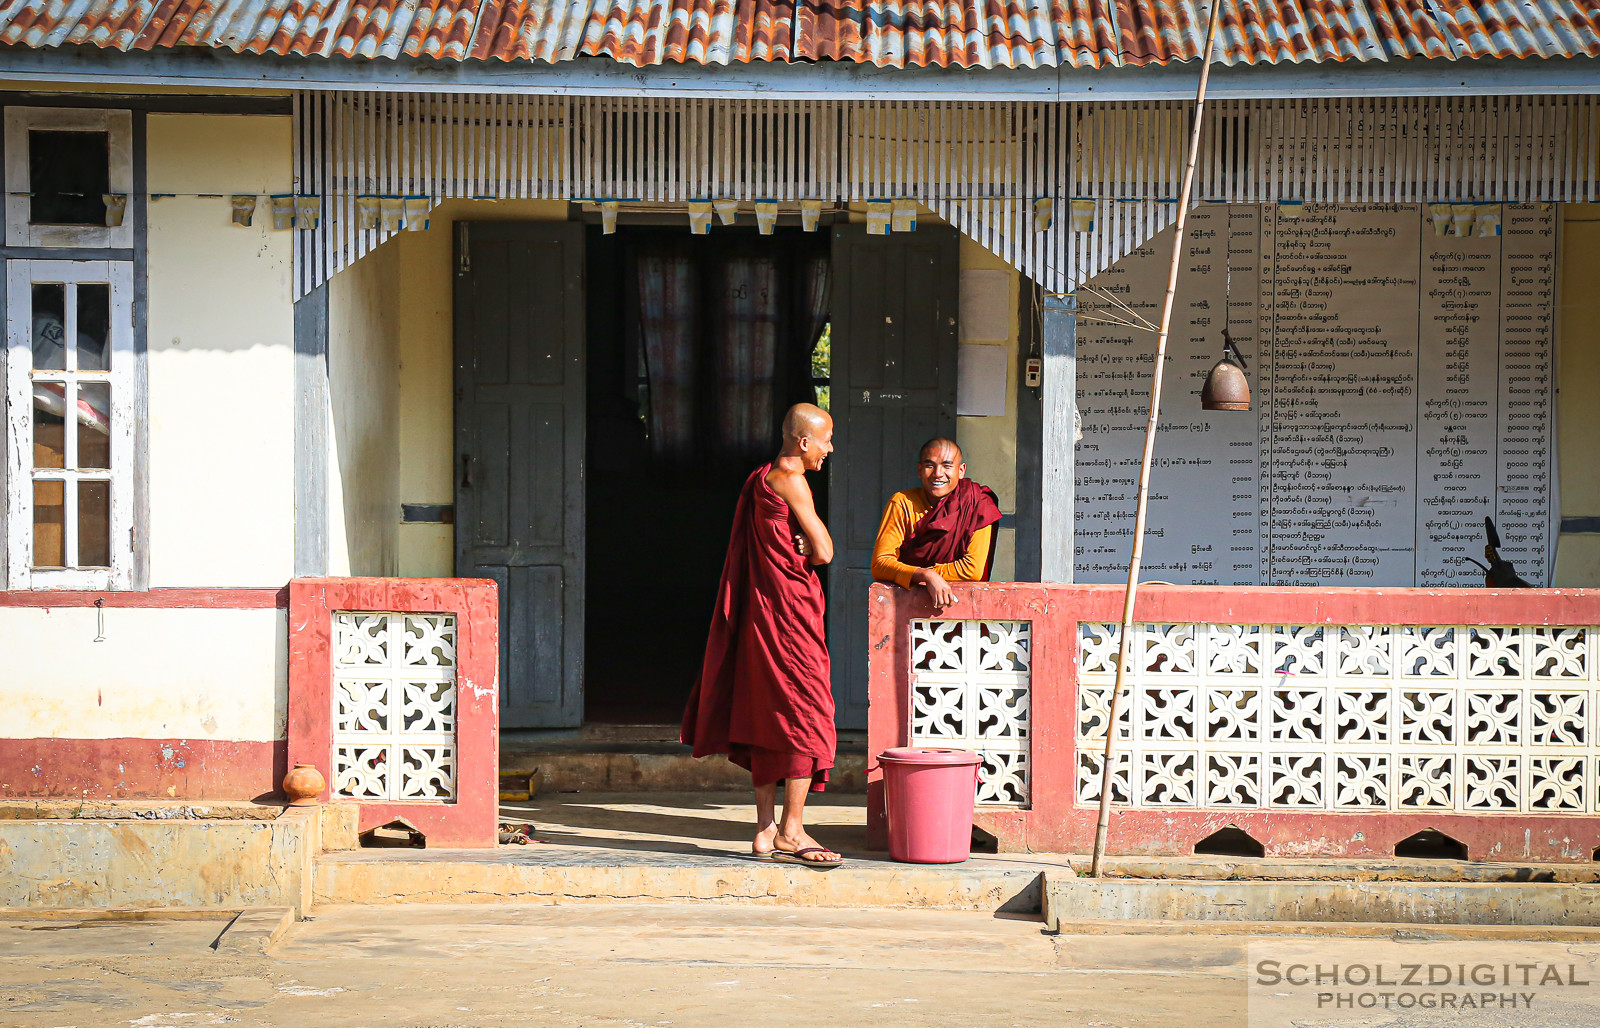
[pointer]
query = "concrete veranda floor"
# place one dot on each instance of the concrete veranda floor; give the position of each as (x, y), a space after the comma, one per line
(708, 823)
(668, 847)
(715, 828)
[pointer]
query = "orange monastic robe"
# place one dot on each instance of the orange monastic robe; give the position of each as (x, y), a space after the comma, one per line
(900, 518)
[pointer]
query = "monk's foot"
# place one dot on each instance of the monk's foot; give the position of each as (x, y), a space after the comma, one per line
(804, 848)
(765, 841)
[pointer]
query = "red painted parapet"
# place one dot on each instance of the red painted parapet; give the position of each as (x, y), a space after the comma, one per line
(162, 694)
(1507, 680)
(393, 696)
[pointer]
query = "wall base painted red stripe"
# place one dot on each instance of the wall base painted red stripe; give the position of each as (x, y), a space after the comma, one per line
(135, 769)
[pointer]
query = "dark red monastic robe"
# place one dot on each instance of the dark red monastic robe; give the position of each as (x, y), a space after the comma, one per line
(943, 534)
(765, 695)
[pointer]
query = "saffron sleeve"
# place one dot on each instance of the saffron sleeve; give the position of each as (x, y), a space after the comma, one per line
(892, 530)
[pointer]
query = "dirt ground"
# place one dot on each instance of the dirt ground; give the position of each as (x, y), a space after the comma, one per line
(614, 964)
(619, 963)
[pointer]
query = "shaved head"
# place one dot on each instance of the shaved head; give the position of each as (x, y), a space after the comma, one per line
(939, 443)
(804, 420)
(807, 436)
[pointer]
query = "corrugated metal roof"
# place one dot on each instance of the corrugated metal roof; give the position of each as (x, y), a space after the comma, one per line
(961, 33)
(1251, 32)
(887, 33)
(1525, 28)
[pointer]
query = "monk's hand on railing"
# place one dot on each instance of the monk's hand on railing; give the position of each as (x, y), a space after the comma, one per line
(802, 545)
(939, 590)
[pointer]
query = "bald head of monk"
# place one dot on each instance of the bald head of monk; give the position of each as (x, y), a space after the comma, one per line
(941, 467)
(807, 434)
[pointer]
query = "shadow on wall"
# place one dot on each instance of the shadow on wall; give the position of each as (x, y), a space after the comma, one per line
(364, 404)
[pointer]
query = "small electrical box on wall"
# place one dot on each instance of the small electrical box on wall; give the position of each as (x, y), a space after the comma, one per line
(1033, 372)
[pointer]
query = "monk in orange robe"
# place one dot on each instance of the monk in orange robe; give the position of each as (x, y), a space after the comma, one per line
(940, 533)
(765, 695)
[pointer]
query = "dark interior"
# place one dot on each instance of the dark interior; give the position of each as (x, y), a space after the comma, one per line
(1430, 844)
(69, 174)
(696, 346)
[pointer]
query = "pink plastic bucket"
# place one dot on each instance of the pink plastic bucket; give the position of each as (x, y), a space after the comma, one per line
(930, 794)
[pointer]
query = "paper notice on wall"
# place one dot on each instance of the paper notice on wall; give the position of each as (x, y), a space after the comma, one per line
(981, 381)
(985, 306)
(1402, 386)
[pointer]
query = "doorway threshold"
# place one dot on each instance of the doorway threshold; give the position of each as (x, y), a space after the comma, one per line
(644, 758)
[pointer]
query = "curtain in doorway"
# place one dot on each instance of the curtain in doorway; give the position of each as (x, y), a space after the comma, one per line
(668, 305)
(745, 332)
(811, 317)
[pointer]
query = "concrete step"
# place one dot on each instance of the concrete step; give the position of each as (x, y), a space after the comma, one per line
(644, 758)
(1131, 930)
(1070, 900)
(568, 874)
(694, 846)
(1219, 868)
(253, 931)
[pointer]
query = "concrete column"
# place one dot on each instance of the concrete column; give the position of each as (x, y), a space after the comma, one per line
(1057, 447)
(311, 433)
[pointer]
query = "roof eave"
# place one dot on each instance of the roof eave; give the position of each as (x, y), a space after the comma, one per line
(592, 76)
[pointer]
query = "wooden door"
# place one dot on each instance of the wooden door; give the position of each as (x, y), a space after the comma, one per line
(519, 378)
(893, 379)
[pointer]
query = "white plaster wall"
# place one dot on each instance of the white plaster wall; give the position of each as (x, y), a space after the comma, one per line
(221, 360)
(364, 398)
(159, 674)
(990, 444)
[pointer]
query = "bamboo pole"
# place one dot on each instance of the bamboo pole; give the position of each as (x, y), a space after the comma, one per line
(1143, 503)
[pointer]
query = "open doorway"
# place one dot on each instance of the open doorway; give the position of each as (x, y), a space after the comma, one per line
(696, 345)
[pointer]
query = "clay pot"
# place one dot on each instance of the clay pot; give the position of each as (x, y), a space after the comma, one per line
(303, 785)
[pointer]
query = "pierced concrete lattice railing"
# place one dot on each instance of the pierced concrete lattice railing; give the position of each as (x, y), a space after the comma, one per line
(970, 689)
(1312, 717)
(1331, 722)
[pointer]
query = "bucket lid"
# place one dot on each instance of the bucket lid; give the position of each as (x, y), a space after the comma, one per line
(928, 755)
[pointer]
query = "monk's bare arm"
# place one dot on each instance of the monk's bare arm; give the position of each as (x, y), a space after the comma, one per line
(797, 494)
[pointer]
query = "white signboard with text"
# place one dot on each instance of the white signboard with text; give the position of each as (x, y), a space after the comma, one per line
(1402, 382)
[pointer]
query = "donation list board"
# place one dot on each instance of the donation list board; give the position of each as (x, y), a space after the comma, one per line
(1401, 382)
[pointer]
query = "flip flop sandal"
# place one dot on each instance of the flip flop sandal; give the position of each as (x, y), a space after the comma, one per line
(799, 857)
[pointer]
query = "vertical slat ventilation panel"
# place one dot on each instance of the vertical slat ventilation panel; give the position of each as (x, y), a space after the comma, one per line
(980, 166)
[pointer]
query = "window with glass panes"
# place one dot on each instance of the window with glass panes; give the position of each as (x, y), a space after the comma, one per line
(69, 358)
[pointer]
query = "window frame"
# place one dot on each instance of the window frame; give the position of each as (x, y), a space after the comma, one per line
(20, 475)
(118, 126)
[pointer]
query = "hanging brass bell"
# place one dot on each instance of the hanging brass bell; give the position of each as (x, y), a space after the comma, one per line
(1226, 387)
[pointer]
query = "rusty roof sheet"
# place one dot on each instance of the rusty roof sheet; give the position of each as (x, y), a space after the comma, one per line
(1525, 28)
(887, 33)
(961, 33)
(1252, 32)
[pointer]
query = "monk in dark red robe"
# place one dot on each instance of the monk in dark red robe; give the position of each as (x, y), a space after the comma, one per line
(765, 695)
(940, 533)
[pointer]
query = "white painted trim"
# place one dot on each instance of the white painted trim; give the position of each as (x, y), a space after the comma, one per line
(21, 275)
(119, 127)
